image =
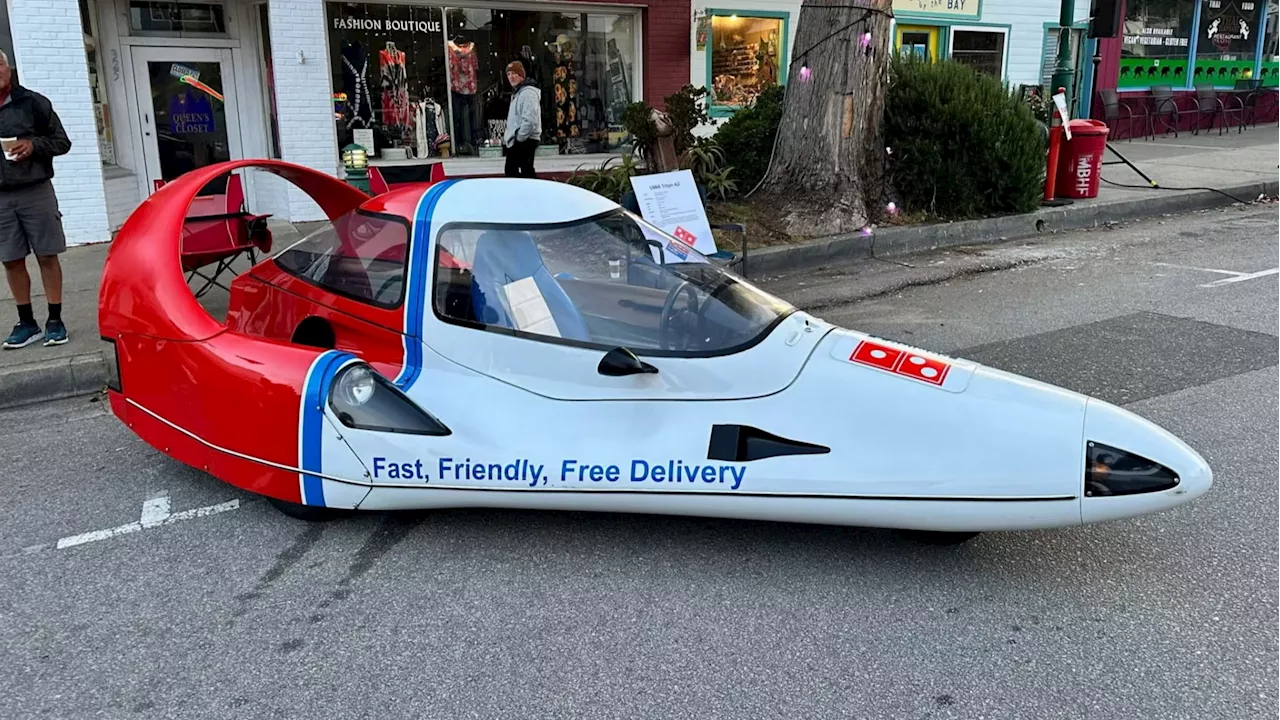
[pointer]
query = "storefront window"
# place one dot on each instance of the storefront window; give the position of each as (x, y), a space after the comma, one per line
(1227, 42)
(982, 50)
(745, 56)
(1270, 75)
(97, 80)
(431, 81)
(176, 19)
(1157, 35)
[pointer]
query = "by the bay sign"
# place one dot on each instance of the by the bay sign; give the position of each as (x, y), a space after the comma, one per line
(948, 8)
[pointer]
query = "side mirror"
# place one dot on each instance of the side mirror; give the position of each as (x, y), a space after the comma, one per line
(621, 361)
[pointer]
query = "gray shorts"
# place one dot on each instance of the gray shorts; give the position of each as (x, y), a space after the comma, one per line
(30, 223)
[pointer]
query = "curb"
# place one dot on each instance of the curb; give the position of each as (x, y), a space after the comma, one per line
(46, 380)
(897, 241)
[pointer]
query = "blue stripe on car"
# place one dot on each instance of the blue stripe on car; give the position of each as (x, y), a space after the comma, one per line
(315, 395)
(420, 262)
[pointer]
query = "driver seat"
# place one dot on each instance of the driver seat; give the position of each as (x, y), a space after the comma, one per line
(505, 256)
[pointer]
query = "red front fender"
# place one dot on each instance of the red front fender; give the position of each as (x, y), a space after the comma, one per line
(216, 400)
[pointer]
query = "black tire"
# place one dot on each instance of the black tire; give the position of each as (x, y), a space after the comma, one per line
(932, 537)
(310, 513)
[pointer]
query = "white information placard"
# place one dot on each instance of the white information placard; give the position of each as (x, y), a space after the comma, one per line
(670, 201)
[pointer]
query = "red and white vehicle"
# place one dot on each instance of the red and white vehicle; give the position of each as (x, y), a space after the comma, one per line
(529, 344)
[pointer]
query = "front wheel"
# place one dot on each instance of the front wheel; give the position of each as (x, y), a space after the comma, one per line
(310, 513)
(932, 537)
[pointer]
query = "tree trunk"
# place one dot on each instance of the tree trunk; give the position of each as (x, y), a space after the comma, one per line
(828, 165)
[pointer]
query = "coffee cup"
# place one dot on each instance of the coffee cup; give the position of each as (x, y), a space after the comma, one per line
(7, 144)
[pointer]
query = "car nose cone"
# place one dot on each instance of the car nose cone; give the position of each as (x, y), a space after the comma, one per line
(1136, 466)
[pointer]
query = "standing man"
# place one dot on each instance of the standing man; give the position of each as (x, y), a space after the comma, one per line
(524, 123)
(30, 222)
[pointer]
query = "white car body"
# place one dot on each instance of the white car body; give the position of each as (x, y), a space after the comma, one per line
(908, 439)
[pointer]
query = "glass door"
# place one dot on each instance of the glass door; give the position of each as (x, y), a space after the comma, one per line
(186, 109)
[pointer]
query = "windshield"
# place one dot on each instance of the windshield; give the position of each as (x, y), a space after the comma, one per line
(609, 281)
(361, 255)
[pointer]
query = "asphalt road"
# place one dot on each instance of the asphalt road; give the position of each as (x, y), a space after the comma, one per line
(244, 613)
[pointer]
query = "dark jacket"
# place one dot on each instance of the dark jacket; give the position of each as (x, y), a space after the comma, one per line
(29, 115)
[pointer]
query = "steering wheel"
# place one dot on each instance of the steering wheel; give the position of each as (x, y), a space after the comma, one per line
(387, 285)
(669, 314)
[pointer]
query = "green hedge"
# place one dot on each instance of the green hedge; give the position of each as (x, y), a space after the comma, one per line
(747, 138)
(963, 146)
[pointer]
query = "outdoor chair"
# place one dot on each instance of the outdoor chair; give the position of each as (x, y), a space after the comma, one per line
(1164, 105)
(1209, 103)
(1116, 110)
(218, 231)
(389, 177)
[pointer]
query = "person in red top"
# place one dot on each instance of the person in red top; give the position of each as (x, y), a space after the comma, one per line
(30, 222)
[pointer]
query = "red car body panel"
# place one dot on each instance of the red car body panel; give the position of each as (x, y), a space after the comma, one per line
(225, 399)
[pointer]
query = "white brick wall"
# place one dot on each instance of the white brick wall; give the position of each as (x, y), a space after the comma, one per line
(122, 199)
(303, 94)
(49, 55)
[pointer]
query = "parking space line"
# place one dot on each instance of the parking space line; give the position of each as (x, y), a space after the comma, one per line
(1200, 269)
(155, 513)
(1242, 277)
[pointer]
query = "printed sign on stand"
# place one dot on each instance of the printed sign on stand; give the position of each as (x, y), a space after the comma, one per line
(670, 201)
(1060, 100)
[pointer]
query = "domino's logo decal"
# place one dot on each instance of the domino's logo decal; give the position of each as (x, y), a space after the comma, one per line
(900, 362)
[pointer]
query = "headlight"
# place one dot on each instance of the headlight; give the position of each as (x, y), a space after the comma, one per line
(364, 400)
(356, 386)
(1111, 471)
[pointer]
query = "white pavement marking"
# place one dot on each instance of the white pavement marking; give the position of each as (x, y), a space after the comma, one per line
(1242, 277)
(1190, 267)
(155, 510)
(155, 513)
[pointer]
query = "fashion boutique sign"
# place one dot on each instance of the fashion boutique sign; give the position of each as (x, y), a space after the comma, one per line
(367, 24)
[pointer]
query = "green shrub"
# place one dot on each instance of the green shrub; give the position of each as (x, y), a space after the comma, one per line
(747, 138)
(962, 144)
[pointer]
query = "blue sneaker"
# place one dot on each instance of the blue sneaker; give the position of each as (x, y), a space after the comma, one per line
(23, 335)
(55, 333)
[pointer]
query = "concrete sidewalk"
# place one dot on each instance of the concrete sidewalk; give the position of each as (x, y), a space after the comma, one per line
(1192, 172)
(37, 373)
(1242, 165)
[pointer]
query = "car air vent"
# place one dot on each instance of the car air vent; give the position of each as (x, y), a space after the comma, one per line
(742, 443)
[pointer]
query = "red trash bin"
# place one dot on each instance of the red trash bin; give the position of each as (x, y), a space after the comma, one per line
(1080, 161)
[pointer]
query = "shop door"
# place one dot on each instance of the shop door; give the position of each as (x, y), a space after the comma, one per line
(919, 40)
(186, 109)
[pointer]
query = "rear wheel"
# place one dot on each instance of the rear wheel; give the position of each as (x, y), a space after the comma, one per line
(310, 513)
(931, 537)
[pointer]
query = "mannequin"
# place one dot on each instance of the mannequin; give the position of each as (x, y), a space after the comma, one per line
(463, 70)
(395, 91)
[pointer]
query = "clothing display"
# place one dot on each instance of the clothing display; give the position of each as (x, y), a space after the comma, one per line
(429, 81)
(463, 67)
(466, 121)
(564, 89)
(355, 66)
(395, 89)
(428, 126)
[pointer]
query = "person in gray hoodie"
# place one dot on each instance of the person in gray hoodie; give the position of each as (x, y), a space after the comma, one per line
(524, 123)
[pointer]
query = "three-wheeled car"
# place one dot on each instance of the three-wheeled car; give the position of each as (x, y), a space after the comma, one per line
(524, 343)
